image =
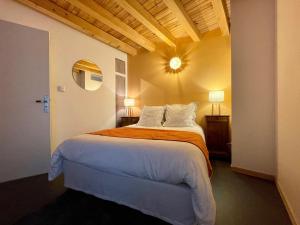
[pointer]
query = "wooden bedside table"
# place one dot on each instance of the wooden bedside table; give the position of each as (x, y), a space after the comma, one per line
(128, 120)
(218, 137)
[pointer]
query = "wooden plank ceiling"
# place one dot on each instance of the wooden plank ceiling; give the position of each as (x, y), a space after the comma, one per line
(132, 25)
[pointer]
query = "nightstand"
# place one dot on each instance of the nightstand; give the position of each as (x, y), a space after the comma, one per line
(128, 120)
(218, 137)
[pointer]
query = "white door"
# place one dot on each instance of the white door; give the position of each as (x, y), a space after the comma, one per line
(24, 78)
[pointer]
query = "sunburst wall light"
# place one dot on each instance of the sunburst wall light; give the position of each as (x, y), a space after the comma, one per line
(175, 63)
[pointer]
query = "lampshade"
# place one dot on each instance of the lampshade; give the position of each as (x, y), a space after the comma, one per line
(175, 63)
(216, 96)
(129, 102)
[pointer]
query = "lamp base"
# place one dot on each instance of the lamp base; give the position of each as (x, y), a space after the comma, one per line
(129, 111)
(212, 109)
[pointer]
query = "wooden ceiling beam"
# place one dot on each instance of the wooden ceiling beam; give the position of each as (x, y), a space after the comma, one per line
(98, 12)
(219, 8)
(78, 67)
(54, 11)
(85, 65)
(178, 10)
(143, 16)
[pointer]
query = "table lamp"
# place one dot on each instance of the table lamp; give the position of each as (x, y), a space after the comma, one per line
(216, 97)
(129, 103)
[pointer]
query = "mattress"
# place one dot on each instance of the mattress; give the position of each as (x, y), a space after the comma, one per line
(171, 203)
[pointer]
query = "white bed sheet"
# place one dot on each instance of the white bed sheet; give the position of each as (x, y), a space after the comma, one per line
(158, 160)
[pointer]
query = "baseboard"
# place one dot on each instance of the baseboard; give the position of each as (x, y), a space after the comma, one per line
(253, 173)
(286, 204)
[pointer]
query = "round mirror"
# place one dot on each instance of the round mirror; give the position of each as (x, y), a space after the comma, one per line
(87, 75)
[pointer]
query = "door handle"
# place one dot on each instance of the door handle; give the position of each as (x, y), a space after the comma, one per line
(40, 101)
(45, 101)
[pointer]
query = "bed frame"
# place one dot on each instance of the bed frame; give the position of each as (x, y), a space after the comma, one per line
(171, 203)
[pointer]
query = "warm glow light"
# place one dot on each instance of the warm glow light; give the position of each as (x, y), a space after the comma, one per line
(216, 96)
(175, 63)
(129, 102)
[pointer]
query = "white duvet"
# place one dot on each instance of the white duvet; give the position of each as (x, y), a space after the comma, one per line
(164, 161)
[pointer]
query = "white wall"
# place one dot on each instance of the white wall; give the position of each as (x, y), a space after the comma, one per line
(288, 106)
(76, 111)
(253, 82)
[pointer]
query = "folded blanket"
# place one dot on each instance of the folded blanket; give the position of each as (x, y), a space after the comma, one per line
(155, 134)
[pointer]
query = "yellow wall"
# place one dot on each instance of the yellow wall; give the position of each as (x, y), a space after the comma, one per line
(288, 105)
(206, 66)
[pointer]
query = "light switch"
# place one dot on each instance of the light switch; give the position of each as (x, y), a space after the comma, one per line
(61, 88)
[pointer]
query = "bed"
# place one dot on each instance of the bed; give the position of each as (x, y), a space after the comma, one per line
(162, 178)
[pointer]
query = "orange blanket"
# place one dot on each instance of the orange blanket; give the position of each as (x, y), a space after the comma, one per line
(156, 134)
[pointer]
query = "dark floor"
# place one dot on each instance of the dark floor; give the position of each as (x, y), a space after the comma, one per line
(245, 200)
(241, 200)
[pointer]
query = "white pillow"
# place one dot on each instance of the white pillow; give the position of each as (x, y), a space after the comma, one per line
(180, 115)
(152, 116)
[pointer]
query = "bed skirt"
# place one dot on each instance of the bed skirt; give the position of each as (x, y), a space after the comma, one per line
(171, 203)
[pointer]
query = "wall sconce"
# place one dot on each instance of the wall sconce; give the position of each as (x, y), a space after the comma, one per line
(216, 97)
(175, 63)
(129, 103)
